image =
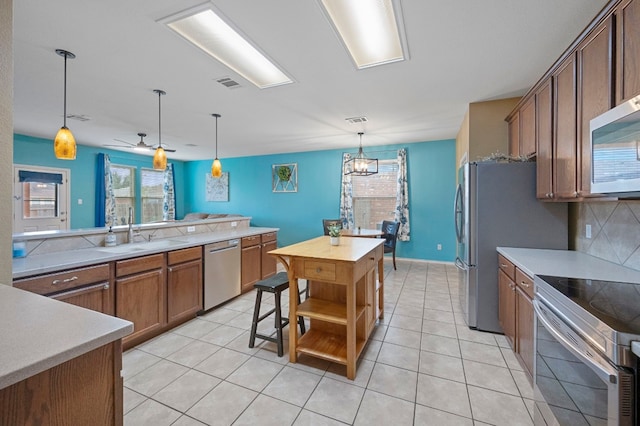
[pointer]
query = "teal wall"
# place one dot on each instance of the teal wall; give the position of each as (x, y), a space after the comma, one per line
(298, 215)
(39, 152)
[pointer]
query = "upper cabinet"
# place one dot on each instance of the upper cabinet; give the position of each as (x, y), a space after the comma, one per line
(598, 70)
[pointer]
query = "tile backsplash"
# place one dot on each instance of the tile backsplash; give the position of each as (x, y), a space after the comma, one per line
(615, 231)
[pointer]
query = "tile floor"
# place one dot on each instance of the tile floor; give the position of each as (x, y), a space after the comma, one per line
(422, 366)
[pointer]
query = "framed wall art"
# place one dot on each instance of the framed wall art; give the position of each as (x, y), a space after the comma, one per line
(284, 177)
(217, 189)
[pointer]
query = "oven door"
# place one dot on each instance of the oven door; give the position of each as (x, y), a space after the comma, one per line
(575, 384)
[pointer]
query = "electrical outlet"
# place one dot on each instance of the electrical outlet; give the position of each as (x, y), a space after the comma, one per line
(439, 246)
(79, 201)
(234, 224)
(587, 231)
(191, 229)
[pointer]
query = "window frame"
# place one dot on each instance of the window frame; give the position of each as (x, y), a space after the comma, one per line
(373, 219)
(143, 218)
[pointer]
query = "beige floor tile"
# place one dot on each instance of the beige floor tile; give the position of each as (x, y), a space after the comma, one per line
(444, 366)
(439, 328)
(196, 328)
(378, 332)
(222, 363)
(441, 316)
(510, 359)
(437, 305)
(498, 408)
(255, 374)
(522, 381)
(465, 333)
(406, 322)
(241, 305)
(151, 413)
(309, 418)
(131, 399)
(293, 386)
(426, 416)
(134, 361)
(242, 321)
(223, 405)
(187, 421)
(399, 356)
(371, 350)
(490, 377)
(222, 335)
(267, 411)
(186, 390)
(194, 353)
(308, 363)
(482, 353)
(220, 315)
(402, 337)
(363, 373)
(440, 344)
(442, 394)
(336, 399)
(241, 344)
(394, 381)
(377, 408)
(156, 377)
(409, 311)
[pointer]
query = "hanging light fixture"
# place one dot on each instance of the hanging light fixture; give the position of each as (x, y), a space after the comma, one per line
(361, 165)
(64, 145)
(216, 167)
(160, 157)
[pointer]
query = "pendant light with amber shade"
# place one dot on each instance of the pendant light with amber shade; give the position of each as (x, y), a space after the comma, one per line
(160, 156)
(64, 145)
(216, 167)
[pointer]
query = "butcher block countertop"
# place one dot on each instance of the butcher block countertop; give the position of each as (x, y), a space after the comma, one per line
(38, 333)
(566, 263)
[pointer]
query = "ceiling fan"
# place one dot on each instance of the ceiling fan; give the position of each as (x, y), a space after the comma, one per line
(140, 146)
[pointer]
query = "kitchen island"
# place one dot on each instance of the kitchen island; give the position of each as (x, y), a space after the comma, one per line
(346, 296)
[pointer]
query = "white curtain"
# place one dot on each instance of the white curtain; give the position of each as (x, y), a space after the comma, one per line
(109, 195)
(169, 196)
(402, 197)
(346, 195)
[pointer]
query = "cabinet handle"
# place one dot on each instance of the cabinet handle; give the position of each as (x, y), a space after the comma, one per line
(66, 280)
(105, 286)
(502, 265)
(525, 285)
(318, 270)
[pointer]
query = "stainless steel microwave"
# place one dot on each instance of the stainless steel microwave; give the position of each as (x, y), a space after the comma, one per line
(615, 150)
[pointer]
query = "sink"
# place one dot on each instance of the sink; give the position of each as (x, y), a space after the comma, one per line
(133, 248)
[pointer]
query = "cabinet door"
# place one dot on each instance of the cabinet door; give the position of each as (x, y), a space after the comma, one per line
(627, 50)
(524, 330)
(251, 258)
(528, 128)
(184, 291)
(544, 141)
(595, 93)
(507, 307)
(269, 265)
(514, 135)
(565, 152)
(140, 299)
(97, 297)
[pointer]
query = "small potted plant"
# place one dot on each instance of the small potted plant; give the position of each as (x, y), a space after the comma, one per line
(334, 234)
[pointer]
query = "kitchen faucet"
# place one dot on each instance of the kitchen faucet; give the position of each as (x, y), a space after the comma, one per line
(130, 240)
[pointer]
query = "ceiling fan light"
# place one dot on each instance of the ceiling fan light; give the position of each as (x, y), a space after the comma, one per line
(160, 159)
(64, 145)
(216, 168)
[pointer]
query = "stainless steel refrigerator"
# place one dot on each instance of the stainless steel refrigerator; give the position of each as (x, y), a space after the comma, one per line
(495, 206)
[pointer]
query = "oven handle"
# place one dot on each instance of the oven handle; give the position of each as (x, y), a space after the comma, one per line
(604, 371)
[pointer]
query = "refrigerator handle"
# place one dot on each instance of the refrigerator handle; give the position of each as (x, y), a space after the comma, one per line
(458, 211)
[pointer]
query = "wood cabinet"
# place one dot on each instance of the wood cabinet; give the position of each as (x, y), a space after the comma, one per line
(140, 296)
(251, 262)
(90, 287)
(268, 264)
(514, 134)
(627, 18)
(527, 138)
(544, 140)
(184, 284)
(515, 309)
(86, 390)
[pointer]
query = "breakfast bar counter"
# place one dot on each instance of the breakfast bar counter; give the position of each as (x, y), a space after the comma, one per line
(346, 296)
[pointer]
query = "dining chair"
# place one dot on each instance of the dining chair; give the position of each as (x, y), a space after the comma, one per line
(326, 223)
(390, 230)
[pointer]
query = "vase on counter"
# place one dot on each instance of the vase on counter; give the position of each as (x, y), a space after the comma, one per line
(334, 241)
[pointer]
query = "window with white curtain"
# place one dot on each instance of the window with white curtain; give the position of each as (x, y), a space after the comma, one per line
(374, 196)
(124, 179)
(152, 188)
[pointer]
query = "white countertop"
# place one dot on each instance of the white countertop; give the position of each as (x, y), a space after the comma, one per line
(53, 262)
(565, 263)
(37, 333)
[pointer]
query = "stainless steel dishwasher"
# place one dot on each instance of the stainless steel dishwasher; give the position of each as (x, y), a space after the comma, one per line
(221, 272)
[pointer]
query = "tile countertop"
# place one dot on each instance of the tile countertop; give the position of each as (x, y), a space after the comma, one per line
(566, 263)
(39, 333)
(53, 262)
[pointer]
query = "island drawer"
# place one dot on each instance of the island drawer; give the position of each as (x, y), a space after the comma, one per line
(180, 256)
(321, 271)
(60, 281)
(253, 240)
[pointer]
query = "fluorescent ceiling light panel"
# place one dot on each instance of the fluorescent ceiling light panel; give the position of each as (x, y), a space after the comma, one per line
(369, 30)
(207, 30)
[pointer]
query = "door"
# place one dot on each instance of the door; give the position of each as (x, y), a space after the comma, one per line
(40, 199)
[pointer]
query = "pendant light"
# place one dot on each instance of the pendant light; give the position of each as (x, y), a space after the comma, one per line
(216, 167)
(160, 157)
(361, 165)
(64, 145)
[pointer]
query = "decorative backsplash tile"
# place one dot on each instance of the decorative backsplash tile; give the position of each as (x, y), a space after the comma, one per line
(615, 231)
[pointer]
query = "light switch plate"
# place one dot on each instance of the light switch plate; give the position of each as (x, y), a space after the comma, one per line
(191, 229)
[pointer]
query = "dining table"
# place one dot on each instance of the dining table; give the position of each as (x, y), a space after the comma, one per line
(362, 232)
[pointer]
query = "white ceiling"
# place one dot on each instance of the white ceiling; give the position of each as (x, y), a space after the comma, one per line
(461, 51)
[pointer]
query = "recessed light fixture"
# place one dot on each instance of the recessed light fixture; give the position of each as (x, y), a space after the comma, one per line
(371, 30)
(208, 30)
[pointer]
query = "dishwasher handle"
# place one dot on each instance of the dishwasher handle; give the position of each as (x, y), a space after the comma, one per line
(232, 245)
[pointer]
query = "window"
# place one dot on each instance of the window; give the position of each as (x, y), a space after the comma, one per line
(123, 178)
(152, 195)
(374, 196)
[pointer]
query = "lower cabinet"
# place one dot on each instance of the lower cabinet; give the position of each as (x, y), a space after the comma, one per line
(184, 284)
(140, 296)
(257, 264)
(515, 311)
(268, 265)
(86, 390)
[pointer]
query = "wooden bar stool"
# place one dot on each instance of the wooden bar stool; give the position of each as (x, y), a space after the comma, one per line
(276, 285)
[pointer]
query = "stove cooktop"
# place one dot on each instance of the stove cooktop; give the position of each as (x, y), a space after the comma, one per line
(616, 304)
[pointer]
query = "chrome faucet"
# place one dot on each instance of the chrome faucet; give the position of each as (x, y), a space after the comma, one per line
(130, 240)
